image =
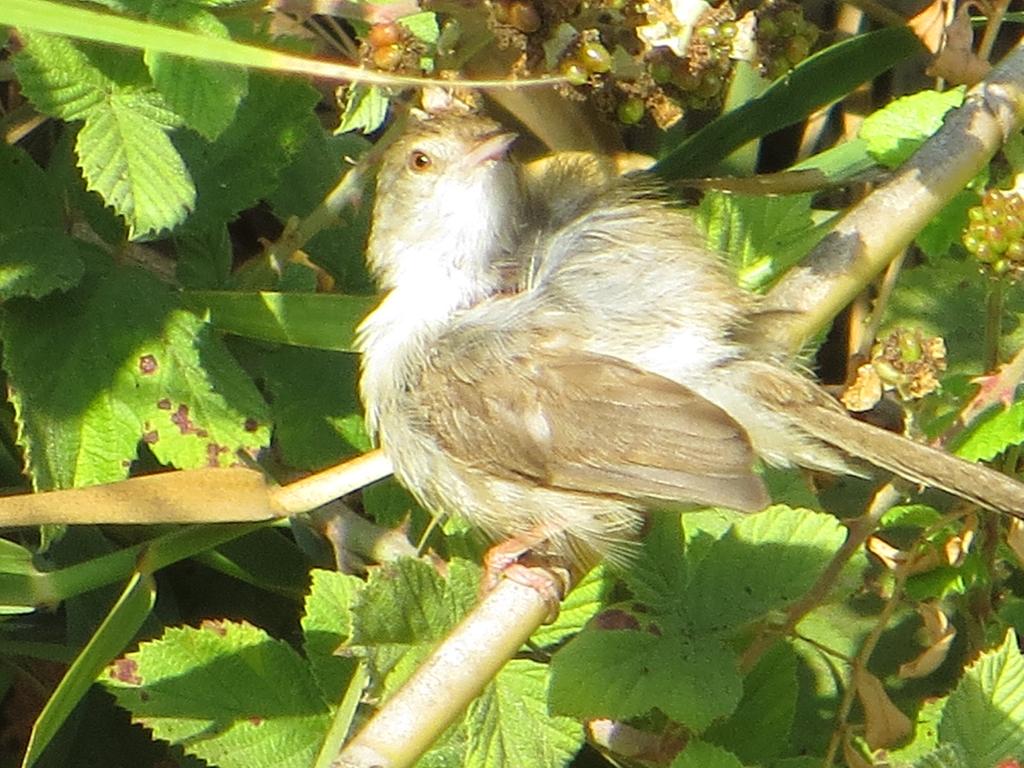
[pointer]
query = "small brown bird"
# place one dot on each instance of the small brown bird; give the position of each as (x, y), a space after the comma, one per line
(548, 362)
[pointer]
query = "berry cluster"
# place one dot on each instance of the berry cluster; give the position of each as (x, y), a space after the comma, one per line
(587, 58)
(784, 38)
(995, 233)
(633, 59)
(392, 48)
(698, 81)
(906, 361)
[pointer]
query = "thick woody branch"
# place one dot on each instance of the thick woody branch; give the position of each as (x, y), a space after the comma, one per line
(885, 222)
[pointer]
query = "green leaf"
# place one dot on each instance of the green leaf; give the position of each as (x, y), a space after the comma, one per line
(117, 630)
(510, 724)
(769, 699)
(700, 754)
(28, 198)
(405, 608)
(945, 756)
(621, 674)
(387, 503)
(123, 148)
(578, 608)
(113, 362)
(763, 564)
(945, 229)
(659, 575)
(126, 156)
(58, 77)
(947, 298)
(925, 741)
(765, 236)
(318, 320)
(310, 391)
(985, 713)
(423, 26)
(226, 692)
(305, 183)
(205, 95)
(993, 434)
(35, 262)
(244, 163)
(314, 172)
(894, 133)
(366, 106)
(326, 625)
(910, 515)
(203, 256)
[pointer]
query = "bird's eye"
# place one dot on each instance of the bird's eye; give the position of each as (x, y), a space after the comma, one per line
(419, 160)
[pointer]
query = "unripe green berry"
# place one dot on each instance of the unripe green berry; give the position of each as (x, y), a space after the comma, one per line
(661, 72)
(789, 22)
(996, 238)
(707, 32)
(710, 85)
(631, 111)
(575, 73)
(797, 49)
(595, 57)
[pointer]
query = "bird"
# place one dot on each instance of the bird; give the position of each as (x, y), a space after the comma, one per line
(551, 360)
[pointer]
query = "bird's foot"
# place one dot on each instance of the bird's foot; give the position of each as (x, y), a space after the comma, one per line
(515, 559)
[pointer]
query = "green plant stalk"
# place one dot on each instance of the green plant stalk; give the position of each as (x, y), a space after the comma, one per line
(52, 587)
(343, 717)
(315, 320)
(993, 323)
(861, 662)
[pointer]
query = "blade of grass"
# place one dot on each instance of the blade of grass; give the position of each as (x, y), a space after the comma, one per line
(318, 320)
(820, 79)
(101, 27)
(116, 631)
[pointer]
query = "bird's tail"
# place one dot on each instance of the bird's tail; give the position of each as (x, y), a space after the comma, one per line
(815, 413)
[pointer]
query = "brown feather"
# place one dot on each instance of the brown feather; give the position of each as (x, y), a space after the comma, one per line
(821, 417)
(581, 422)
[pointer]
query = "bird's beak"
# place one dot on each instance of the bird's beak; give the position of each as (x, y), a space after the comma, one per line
(493, 147)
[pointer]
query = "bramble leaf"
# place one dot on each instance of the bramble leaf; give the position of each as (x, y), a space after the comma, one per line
(112, 363)
(225, 692)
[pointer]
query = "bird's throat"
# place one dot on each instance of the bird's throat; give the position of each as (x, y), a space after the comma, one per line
(396, 338)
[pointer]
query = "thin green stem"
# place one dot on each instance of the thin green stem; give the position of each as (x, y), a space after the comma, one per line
(993, 324)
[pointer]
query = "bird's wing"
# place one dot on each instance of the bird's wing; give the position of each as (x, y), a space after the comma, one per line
(583, 422)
